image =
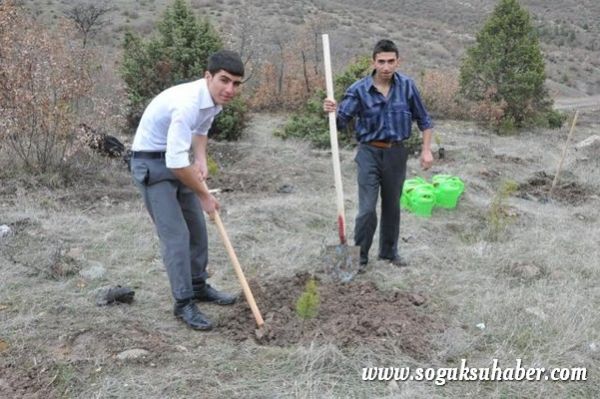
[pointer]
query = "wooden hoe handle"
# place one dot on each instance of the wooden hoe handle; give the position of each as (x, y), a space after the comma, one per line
(237, 267)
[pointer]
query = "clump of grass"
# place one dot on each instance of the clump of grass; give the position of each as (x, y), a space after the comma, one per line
(62, 265)
(497, 217)
(307, 305)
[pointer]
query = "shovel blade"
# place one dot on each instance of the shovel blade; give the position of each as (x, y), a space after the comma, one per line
(342, 261)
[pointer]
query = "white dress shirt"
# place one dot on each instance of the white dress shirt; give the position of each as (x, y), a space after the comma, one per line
(171, 119)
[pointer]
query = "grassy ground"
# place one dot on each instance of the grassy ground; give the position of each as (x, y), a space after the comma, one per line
(533, 283)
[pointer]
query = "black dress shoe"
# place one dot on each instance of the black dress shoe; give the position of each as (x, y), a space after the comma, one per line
(191, 315)
(397, 261)
(362, 266)
(206, 293)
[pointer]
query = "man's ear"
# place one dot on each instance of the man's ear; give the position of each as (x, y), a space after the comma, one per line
(207, 75)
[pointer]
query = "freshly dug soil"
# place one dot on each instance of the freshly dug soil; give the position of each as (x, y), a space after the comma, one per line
(566, 191)
(357, 313)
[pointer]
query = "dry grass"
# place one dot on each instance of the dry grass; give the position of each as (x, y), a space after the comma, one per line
(536, 289)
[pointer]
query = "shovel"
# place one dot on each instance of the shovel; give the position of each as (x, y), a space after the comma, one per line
(236, 266)
(344, 259)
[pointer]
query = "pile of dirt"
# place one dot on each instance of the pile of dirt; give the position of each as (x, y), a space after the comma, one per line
(567, 191)
(357, 313)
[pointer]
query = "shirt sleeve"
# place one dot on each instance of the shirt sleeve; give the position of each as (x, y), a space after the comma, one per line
(347, 108)
(205, 126)
(179, 138)
(418, 110)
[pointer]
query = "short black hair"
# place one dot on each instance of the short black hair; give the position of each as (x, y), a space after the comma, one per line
(226, 60)
(385, 46)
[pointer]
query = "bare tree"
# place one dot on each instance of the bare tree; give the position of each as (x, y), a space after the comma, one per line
(280, 42)
(88, 18)
(317, 24)
(244, 37)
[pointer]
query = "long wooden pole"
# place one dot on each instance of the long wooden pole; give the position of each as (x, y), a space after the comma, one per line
(562, 158)
(237, 267)
(333, 137)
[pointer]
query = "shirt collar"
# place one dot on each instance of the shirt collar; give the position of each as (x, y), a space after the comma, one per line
(370, 83)
(205, 99)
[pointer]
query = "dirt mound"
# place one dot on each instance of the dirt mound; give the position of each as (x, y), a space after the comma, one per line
(568, 191)
(351, 314)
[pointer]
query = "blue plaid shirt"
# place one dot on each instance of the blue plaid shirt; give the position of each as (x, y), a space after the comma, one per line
(381, 118)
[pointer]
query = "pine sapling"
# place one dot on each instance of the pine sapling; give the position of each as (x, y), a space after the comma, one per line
(307, 305)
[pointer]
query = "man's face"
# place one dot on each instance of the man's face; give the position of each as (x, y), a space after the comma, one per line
(223, 86)
(385, 64)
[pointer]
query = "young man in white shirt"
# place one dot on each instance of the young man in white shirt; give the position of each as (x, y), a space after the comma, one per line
(175, 121)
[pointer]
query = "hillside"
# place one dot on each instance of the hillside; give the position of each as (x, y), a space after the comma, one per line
(430, 34)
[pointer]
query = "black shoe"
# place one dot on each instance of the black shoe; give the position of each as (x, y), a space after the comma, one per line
(191, 315)
(206, 293)
(362, 267)
(397, 261)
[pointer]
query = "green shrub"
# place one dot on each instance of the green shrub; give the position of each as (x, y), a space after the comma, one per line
(556, 119)
(312, 124)
(231, 122)
(313, 128)
(178, 54)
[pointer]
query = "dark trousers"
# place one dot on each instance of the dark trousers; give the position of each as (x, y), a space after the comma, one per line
(179, 221)
(379, 170)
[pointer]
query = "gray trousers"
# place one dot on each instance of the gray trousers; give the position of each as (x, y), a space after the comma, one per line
(379, 170)
(179, 221)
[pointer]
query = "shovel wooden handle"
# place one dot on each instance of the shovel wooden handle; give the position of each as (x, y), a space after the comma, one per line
(333, 136)
(237, 267)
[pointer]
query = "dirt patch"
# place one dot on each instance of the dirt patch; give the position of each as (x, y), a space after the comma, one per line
(247, 182)
(102, 343)
(235, 171)
(16, 382)
(504, 158)
(349, 315)
(567, 191)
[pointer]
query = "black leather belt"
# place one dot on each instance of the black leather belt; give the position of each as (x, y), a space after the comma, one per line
(148, 154)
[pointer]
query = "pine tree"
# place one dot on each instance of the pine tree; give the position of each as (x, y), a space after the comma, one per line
(178, 54)
(506, 66)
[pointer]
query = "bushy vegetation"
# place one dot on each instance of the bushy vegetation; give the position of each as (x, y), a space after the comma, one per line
(43, 78)
(178, 54)
(311, 123)
(504, 72)
(440, 91)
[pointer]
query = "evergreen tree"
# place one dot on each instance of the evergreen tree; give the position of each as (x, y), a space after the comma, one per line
(178, 54)
(506, 66)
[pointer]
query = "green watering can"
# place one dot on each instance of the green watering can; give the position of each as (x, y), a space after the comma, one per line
(420, 197)
(448, 190)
